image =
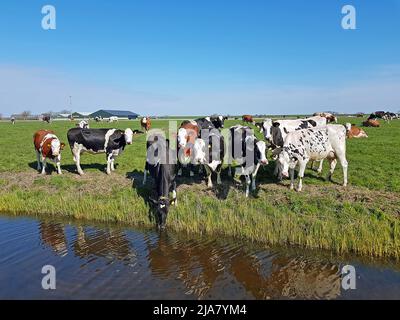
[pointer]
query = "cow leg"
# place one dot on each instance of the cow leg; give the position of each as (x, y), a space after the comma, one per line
(179, 169)
(332, 166)
(144, 176)
(39, 167)
(43, 165)
(253, 177)
(191, 173)
(208, 174)
(58, 164)
(174, 197)
(344, 164)
(319, 170)
(291, 172)
(76, 151)
(219, 174)
(109, 157)
(248, 181)
(302, 168)
(229, 170)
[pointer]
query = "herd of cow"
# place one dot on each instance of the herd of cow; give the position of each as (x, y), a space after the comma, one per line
(203, 144)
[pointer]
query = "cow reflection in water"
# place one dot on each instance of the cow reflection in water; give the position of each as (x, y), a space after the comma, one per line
(228, 271)
(52, 234)
(87, 242)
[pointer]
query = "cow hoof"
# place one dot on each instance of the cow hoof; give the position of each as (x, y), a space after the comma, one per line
(345, 185)
(81, 173)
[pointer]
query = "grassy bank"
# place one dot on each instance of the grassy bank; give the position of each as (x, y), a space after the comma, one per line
(363, 218)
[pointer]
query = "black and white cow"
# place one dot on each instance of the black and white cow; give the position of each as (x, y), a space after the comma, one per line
(83, 124)
(313, 144)
(209, 151)
(218, 121)
(276, 131)
(161, 168)
(249, 152)
(109, 141)
(204, 123)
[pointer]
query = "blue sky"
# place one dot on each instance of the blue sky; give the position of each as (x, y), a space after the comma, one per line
(183, 57)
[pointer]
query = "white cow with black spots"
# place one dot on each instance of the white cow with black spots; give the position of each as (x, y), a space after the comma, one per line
(312, 145)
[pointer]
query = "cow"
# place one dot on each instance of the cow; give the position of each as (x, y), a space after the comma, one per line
(371, 123)
(218, 121)
(355, 132)
(248, 119)
(379, 115)
(188, 132)
(46, 118)
(12, 120)
(109, 141)
(276, 131)
(209, 151)
(113, 119)
(47, 146)
(162, 170)
(83, 124)
(249, 152)
(329, 116)
(313, 144)
(98, 119)
(204, 123)
(145, 123)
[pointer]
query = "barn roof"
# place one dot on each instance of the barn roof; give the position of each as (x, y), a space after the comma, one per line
(117, 113)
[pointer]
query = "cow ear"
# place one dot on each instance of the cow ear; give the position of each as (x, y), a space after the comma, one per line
(276, 124)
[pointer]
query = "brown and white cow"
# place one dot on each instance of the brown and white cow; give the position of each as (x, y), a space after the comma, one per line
(187, 134)
(355, 132)
(145, 123)
(248, 119)
(47, 146)
(371, 123)
(329, 116)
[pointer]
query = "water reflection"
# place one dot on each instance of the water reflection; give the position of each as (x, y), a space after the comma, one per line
(112, 262)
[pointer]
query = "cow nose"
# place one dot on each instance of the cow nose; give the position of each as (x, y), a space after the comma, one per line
(285, 174)
(129, 142)
(264, 162)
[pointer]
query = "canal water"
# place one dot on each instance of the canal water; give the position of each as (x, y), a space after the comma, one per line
(113, 262)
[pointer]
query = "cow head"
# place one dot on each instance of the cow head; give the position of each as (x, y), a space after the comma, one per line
(218, 121)
(266, 129)
(162, 208)
(261, 152)
(56, 147)
(285, 162)
(199, 152)
(128, 134)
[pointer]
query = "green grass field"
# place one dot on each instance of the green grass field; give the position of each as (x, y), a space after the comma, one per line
(362, 218)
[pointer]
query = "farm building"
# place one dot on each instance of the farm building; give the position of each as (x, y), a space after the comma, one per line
(81, 115)
(114, 113)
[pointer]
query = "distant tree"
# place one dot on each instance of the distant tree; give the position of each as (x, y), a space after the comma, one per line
(25, 114)
(1, 116)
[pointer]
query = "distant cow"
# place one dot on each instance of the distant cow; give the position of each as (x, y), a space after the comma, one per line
(379, 115)
(109, 141)
(355, 132)
(98, 119)
(113, 119)
(371, 123)
(248, 119)
(209, 151)
(314, 144)
(145, 123)
(329, 116)
(12, 120)
(46, 118)
(218, 121)
(163, 172)
(83, 124)
(47, 146)
(205, 123)
(249, 152)
(188, 132)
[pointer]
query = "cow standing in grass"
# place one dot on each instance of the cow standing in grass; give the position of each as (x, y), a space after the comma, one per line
(145, 123)
(83, 124)
(209, 151)
(249, 152)
(248, 119)
(313, 144)
(109, 141)
(12, 120)
(47, 146)
(162, 170)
